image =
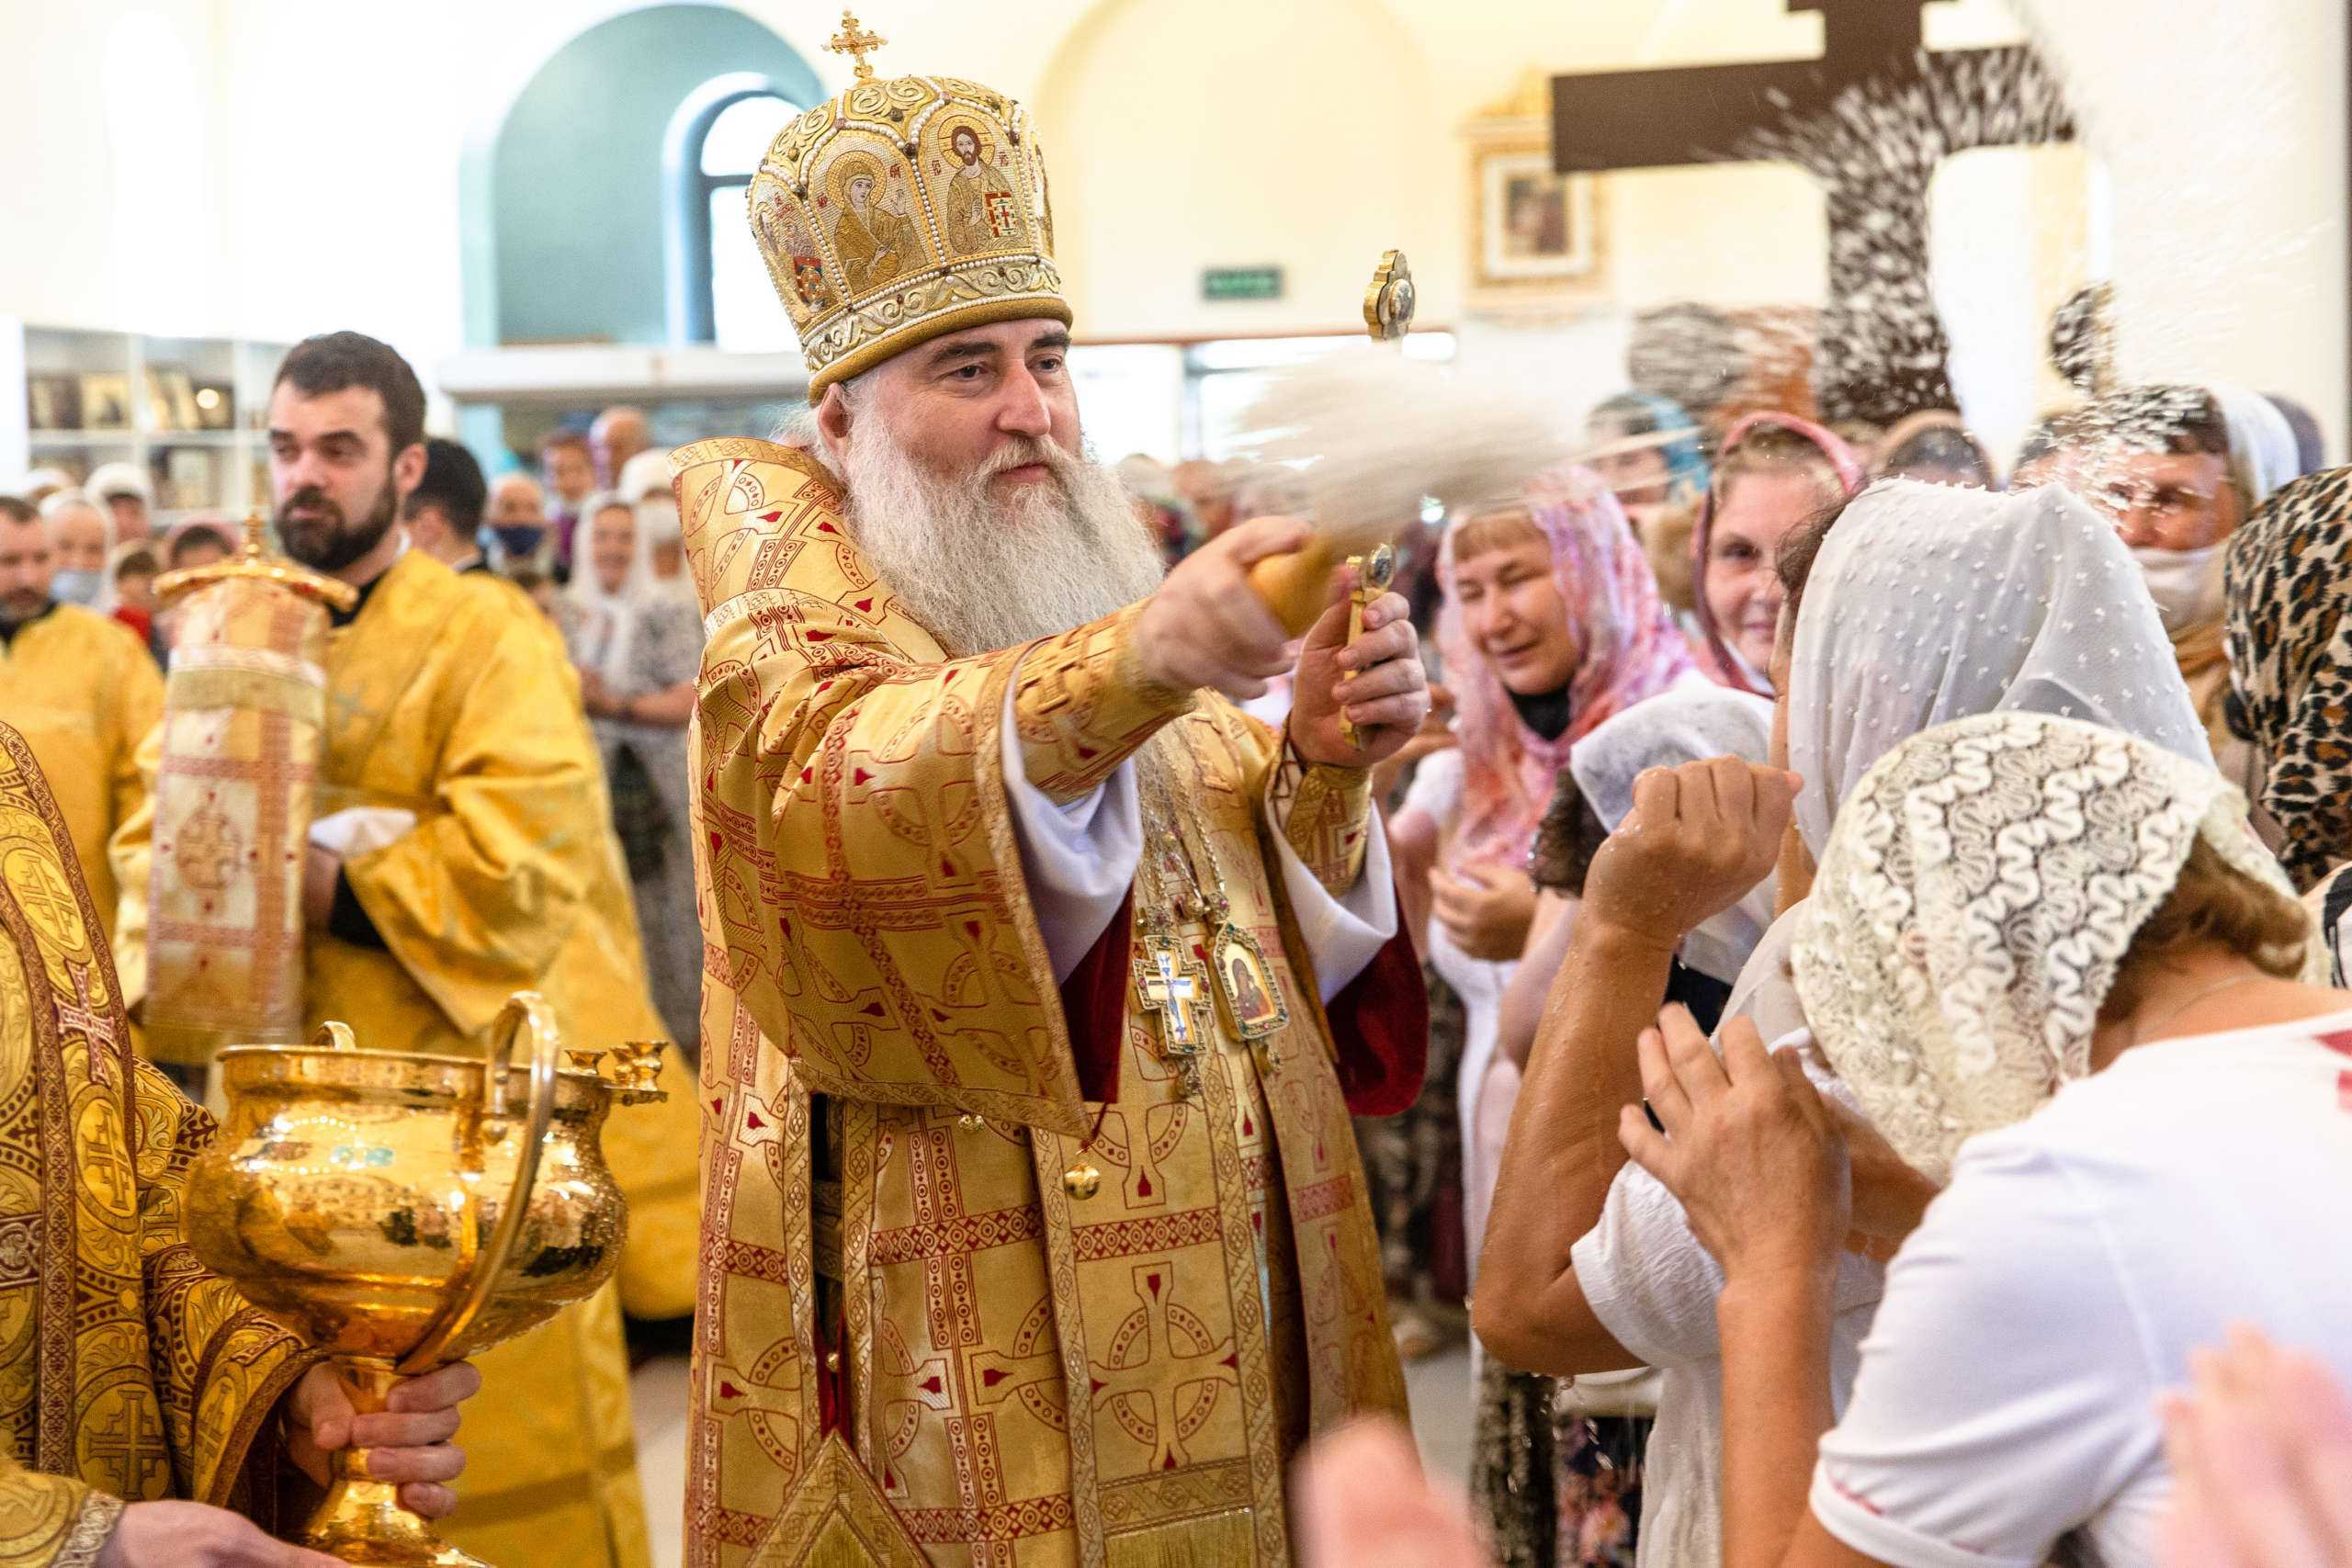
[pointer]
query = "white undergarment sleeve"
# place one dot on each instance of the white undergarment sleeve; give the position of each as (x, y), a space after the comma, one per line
(1077, 860)
(1344, 935)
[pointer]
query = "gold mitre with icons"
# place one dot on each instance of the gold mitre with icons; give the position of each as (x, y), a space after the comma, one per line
(907, 207)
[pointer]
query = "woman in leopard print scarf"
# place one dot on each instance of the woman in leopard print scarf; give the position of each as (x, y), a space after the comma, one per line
(2289, 572)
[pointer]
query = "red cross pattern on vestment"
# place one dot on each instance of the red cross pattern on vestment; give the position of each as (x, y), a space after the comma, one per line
(95, 1022)
(1147, 1378)
(769, 1395)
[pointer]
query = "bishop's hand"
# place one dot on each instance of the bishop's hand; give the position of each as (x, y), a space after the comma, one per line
(1206, 626)
(1376, 682)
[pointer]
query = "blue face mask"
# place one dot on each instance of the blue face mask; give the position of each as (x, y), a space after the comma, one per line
(75, 587)
(518, 538)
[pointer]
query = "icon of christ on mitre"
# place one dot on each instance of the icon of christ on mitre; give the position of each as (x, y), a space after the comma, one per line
(1033, 1233)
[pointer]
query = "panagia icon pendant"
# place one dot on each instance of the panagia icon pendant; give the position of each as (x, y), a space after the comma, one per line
(1253, 993)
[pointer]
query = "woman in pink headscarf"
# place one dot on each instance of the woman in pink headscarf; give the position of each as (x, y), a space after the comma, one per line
(1552, 623)
(1775, 470)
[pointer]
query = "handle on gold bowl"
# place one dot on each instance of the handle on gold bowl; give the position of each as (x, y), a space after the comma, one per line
(525, 1011)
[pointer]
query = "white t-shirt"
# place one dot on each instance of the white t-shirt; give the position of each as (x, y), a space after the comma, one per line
(1653, 1286)
(2005, 1409)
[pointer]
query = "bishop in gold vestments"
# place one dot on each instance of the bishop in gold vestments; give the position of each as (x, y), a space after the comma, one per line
(127, 1372)
(1038, 990)
(898, 1084)
(446, 700)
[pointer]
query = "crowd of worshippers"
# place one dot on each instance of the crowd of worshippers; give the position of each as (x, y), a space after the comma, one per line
(1883, 930)
(1987, 847)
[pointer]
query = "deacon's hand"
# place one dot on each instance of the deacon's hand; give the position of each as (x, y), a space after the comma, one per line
(1698, 838)
(1206, 626)
(1749, 1123)
(1375, 683)
(191, 1535)
(407, 1441)
(320, 868)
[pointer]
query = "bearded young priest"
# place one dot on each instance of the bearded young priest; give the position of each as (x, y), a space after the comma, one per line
(1042, 980)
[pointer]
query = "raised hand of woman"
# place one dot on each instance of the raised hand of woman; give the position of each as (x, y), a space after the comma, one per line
(1698, 838)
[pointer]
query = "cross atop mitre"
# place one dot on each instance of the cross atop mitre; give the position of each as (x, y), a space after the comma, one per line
(855, 41)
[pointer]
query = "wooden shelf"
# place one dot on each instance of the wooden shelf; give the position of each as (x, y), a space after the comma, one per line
(241, 370)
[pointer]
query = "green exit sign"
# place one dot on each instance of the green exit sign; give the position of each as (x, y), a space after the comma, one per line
(1241, 283)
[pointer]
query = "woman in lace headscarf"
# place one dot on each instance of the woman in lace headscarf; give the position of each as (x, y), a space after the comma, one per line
(1919, 603)
(2291, 672)
(2055, 964)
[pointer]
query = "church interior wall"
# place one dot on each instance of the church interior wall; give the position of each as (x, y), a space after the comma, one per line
(602, 103)
(291, 164)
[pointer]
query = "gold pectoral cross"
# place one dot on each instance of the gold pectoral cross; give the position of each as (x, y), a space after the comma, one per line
(1170, 985)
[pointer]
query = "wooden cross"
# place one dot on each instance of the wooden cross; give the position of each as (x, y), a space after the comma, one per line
(1876, 364)
(857, 43)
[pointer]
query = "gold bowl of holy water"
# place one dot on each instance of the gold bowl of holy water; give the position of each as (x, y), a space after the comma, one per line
(409, 1211)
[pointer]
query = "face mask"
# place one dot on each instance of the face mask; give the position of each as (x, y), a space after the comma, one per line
(75, 587)
(2185, 584)
(518, 538)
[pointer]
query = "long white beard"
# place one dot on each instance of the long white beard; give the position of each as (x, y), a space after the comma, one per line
(979, 573)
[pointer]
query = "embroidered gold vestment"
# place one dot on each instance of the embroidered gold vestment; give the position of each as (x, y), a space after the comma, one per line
(896, 1086)
(127, 1372)
(448, 698)
(245, 718)
(83, 691)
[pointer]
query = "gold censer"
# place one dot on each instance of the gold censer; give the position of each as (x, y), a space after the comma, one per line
(410, 1211)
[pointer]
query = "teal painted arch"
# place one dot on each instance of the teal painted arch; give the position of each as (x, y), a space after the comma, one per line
(569, 207)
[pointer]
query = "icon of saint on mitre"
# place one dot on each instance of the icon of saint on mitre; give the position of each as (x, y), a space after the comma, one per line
(787, 236)
(873, 237)
(981, 210)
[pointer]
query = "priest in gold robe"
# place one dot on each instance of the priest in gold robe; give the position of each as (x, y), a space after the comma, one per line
(1042, 979)
(142, 1398)
(461, 849)
(80, 687)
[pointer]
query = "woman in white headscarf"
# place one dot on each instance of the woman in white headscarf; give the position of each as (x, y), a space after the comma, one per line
(1597, 1427)
(2264, 455)
(2057, 968)
(1594, 796)
(636, 635)
(1919, 603)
